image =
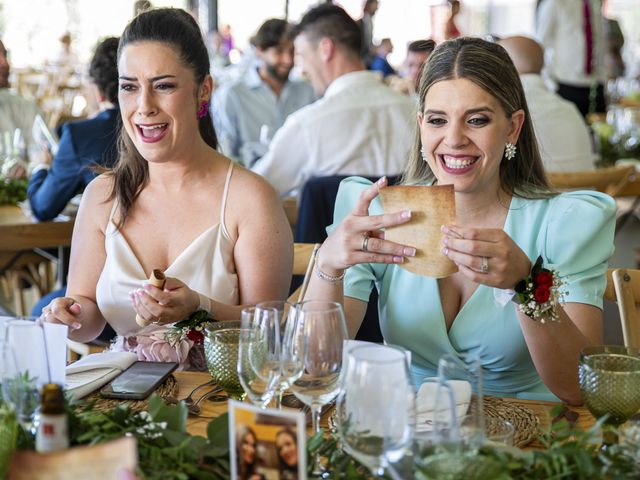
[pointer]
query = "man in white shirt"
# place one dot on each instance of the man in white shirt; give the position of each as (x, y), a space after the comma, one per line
(16, 112)
(359, 127)
(571, 32)
(563, 137)
(247, 113)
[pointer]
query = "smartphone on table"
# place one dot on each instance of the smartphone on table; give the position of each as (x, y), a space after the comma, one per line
(138, 381)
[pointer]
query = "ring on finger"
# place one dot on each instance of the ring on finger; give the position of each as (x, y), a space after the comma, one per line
(365, 242)
(485, 265)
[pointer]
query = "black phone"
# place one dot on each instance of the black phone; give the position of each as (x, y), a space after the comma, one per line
(138, 381)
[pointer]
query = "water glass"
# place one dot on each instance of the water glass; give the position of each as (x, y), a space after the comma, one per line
(314, 343)
(376, 406)
(221, 345)
(499, 430)
(259, 366)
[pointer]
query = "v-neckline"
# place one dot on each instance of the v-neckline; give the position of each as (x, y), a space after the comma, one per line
(175, 260)
(513, 204)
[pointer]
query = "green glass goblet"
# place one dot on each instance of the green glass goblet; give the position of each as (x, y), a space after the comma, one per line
(610, 384)
(221, 342)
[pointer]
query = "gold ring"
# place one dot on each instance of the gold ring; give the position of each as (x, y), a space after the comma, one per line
(365, 242)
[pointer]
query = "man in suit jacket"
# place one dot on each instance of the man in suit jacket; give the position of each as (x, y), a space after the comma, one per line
(83, 145)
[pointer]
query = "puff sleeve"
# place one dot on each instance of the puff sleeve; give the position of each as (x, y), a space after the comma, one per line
(579, 242)
(359, 279)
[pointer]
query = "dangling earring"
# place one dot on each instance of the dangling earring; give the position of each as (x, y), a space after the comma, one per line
(509, 151)
(203, 110)
(423, 155)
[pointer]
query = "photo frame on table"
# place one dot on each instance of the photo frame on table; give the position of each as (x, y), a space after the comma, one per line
(266, 444)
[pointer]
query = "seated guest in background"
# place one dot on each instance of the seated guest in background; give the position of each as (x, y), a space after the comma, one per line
(171, 202)
(359, 126)
(563, 136)
(17, 112)
(418, 53)
(84, 144)
(379, 62)
(476, 134)
(247, 113)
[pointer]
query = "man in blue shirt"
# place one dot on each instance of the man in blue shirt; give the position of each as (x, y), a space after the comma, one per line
(247, 113)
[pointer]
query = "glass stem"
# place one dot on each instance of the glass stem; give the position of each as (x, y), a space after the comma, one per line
(315, 423)
(278, 398)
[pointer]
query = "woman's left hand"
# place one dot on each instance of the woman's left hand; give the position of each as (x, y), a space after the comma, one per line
(486, 255)
(173, 303)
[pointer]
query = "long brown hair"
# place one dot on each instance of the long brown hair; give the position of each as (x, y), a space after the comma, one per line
(179, 30)
(489, 66)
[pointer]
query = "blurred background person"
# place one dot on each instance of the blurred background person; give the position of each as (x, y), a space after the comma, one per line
(246, 454)
(247, 113)
(83, 144)
(365, 24)
(379, 63)
(614, 41)
(287, 452)
(572, 36)
(418, 53)
(563, 136)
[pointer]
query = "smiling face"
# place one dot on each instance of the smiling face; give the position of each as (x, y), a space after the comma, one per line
(277, 61)
(248, 448)
(464, 130)
(158, 100)
(287, 449)
(309, 59)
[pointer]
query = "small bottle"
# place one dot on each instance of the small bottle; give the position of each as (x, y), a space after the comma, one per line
(52, 434)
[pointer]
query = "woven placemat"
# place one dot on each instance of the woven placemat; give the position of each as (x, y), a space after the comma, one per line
(524, 421)
(169, 388)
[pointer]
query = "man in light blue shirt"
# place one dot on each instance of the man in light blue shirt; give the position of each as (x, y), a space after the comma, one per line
(248, 112)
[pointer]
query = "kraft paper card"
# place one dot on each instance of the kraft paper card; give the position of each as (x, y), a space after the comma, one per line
(431, 207)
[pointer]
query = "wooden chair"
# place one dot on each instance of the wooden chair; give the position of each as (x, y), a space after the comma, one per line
(623, 287)
(611, 180)
(303, 261)
(290, 205)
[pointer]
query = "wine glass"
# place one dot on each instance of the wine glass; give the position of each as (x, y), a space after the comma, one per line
(376, 406)
(280, 313)
(314, 343)
(610, 384)
(259, 366)
(221, 342)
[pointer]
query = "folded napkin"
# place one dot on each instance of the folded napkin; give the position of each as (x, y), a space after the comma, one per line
(426, 400)
(93, 371)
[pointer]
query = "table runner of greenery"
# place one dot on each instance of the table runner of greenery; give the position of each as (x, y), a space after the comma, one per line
(167, 451)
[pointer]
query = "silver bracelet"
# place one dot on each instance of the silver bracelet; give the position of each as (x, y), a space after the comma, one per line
(329, 278)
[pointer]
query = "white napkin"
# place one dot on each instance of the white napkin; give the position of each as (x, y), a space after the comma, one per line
(93, 371)
(426, 400)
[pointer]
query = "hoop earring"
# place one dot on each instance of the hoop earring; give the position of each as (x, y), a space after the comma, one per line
(509, 151)
(203, 110)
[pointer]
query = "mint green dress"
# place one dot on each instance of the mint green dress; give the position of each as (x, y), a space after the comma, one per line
(574, 234)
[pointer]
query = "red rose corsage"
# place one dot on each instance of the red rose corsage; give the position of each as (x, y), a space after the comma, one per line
(190, 328)
(539, 294)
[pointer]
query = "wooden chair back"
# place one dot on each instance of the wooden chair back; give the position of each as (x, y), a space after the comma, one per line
(303, 260)
(611, 180)
(623, 287)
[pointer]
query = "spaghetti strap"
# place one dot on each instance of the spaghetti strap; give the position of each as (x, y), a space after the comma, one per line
(225, 192)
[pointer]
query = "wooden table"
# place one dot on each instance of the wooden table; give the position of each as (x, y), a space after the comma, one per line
(187, 381)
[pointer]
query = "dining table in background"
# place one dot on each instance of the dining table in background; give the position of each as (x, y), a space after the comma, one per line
(197, 425)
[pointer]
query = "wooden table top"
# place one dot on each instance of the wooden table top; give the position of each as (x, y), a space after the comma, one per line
(19, 232)
(187, 381)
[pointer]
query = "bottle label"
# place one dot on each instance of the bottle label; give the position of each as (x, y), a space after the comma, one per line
(52, 433)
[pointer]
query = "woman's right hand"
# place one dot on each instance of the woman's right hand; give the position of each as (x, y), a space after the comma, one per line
(63, 310)
(345, 246)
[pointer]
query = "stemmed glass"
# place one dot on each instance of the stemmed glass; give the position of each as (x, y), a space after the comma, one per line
(610, 384)
(314, 343)
(259, 354)
(376, 406)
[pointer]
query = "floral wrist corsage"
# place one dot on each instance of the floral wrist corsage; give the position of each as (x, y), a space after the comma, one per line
(540, 294)
(191, 328)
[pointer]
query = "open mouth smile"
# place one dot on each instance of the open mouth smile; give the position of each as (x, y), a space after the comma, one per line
(151, 133)
(457, 164)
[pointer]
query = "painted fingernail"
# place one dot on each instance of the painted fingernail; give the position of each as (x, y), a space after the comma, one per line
(445, 240)
(76, 326)
(444, 229)
(409, 252)
(445, 251)
(382, 180)
(406, 214)
(398, 259)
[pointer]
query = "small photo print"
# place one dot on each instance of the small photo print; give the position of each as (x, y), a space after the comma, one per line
(266, 444)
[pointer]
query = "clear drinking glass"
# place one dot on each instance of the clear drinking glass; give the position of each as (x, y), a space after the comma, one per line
(315, 345)
(259, 365)
(376, 406)
(221, 344)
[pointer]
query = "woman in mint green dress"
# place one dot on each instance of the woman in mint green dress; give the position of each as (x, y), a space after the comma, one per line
(472, 113)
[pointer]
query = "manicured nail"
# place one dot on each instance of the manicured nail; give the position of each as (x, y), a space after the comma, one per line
(398, 259)
(444, 229)
(406, 215)
(409, 252)
(382, 180)
(445, 251)
(445, 240)
(76, 326)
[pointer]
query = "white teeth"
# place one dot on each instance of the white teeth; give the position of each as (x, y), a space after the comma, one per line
(457, 163)
(152, 127)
